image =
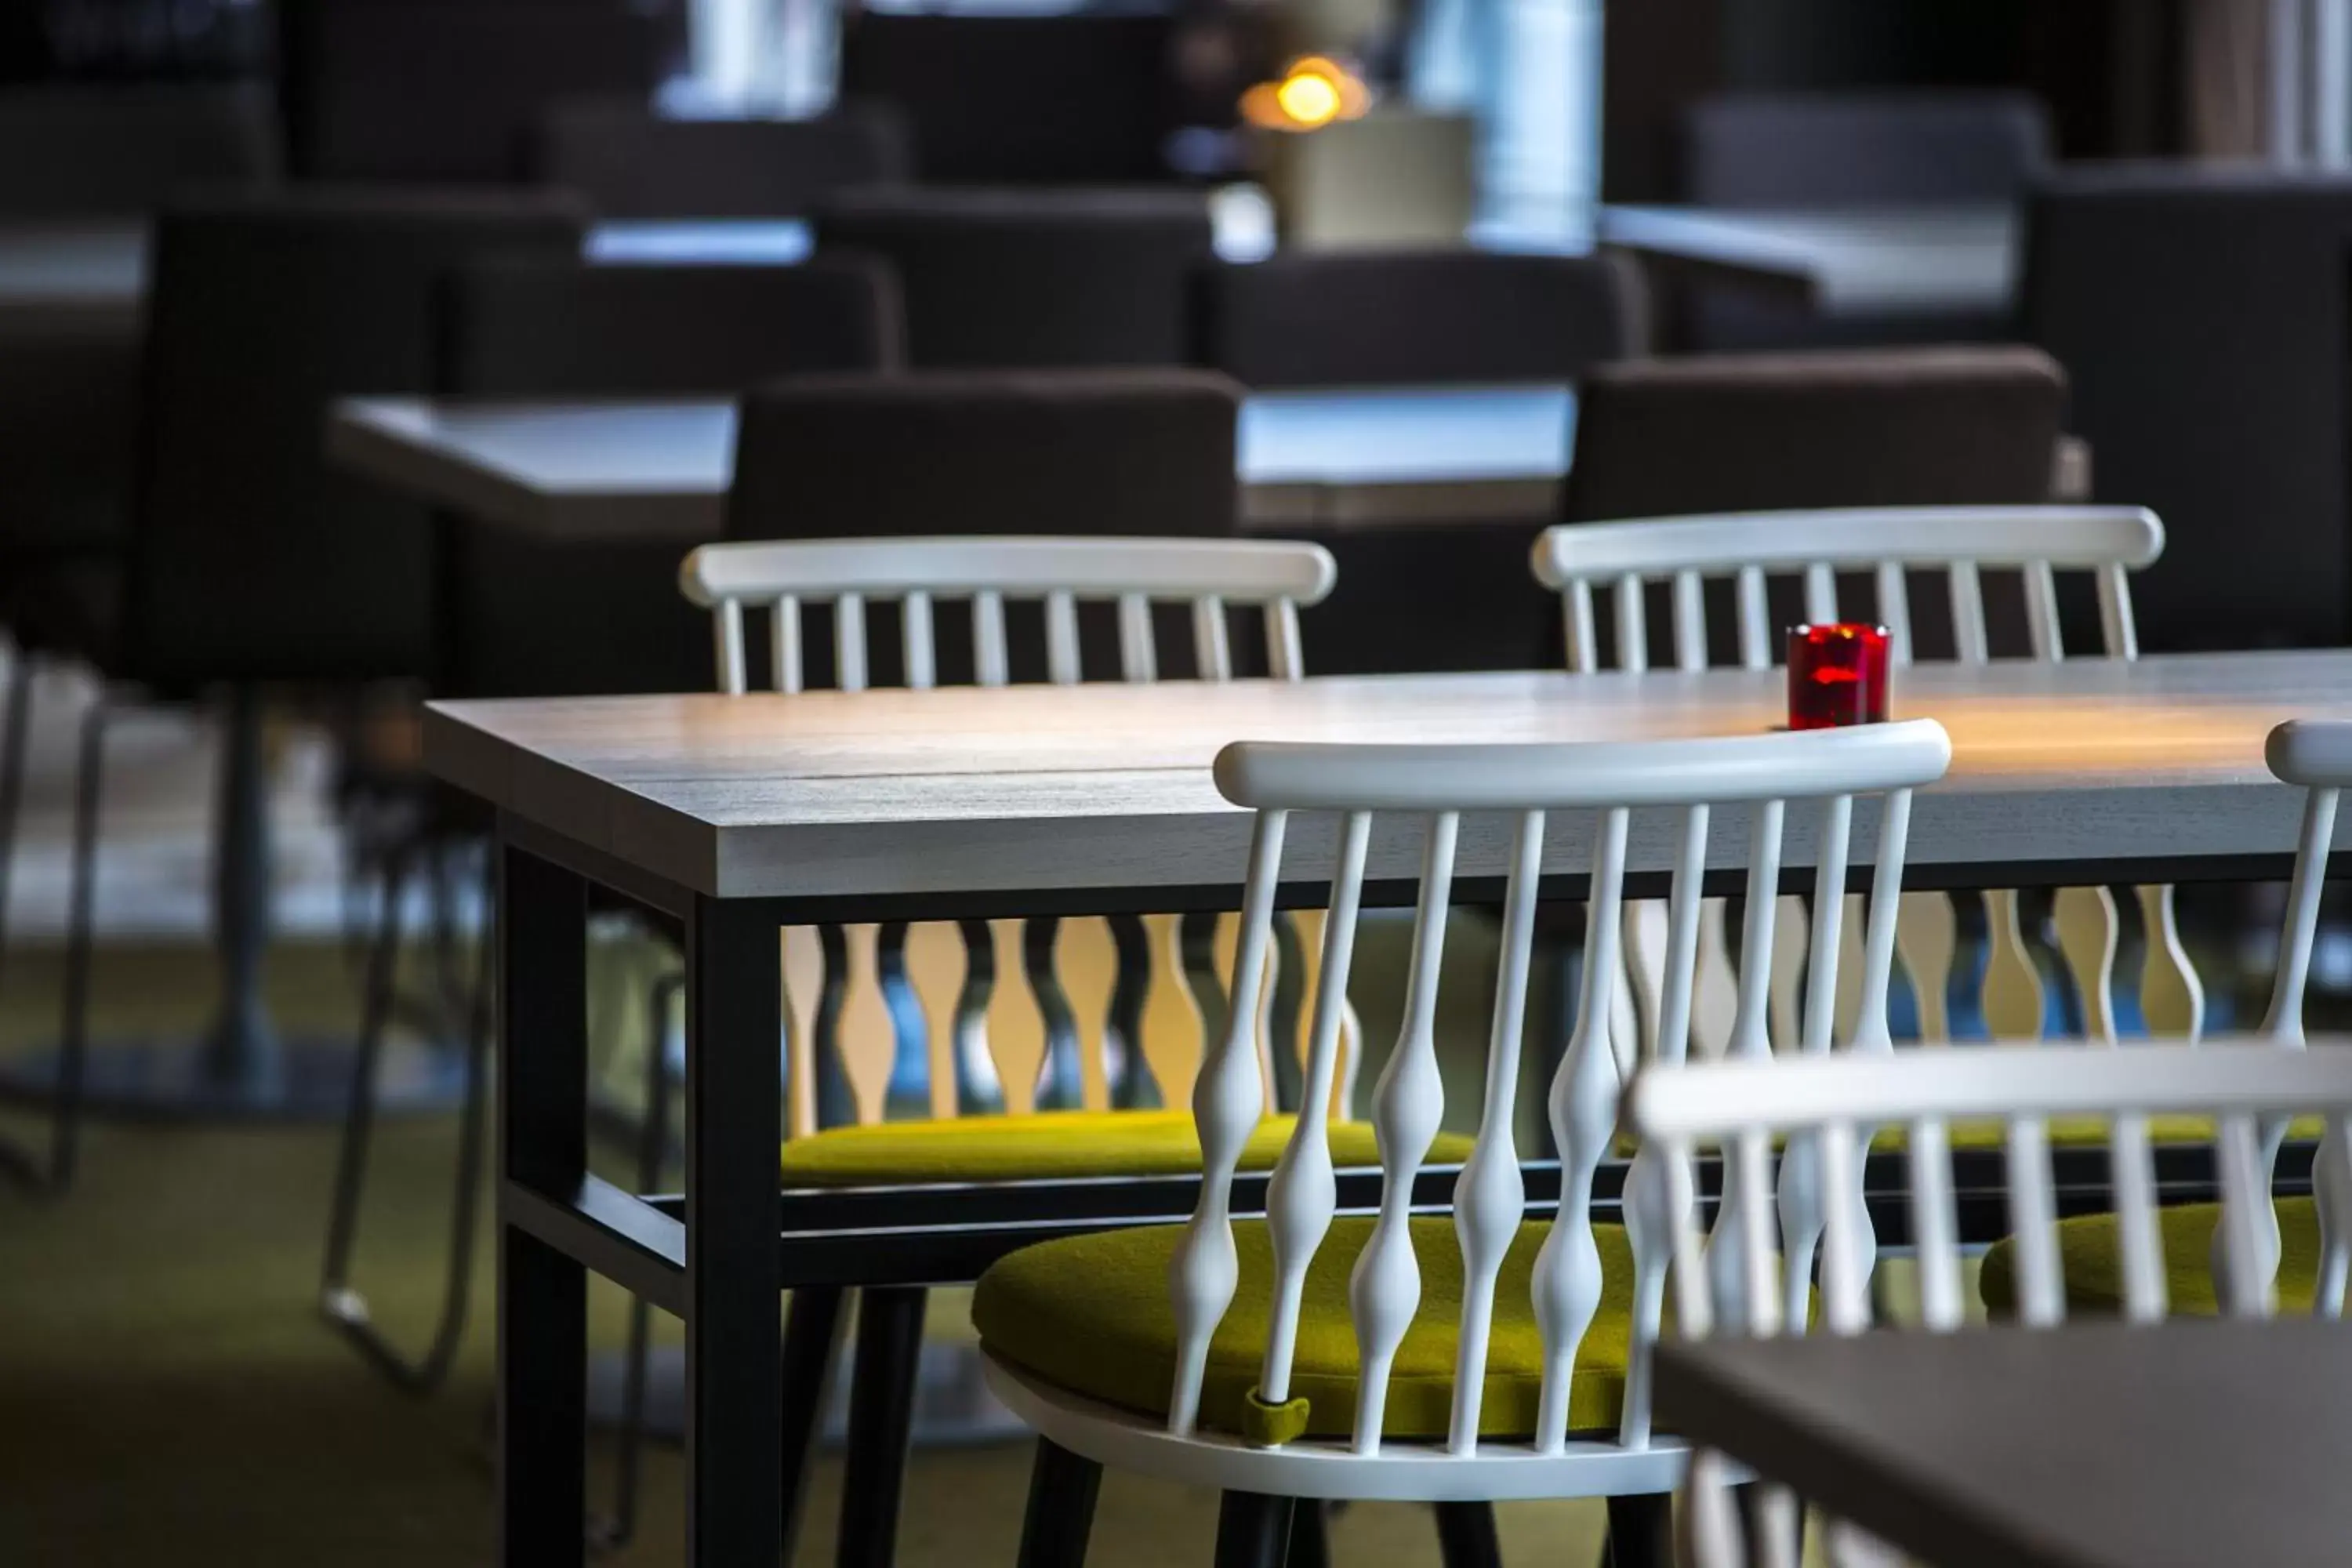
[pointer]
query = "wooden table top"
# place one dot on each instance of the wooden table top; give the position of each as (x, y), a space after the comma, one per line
(1854, 262)
(661, 469)
(2142, 770)
(2094, 1446)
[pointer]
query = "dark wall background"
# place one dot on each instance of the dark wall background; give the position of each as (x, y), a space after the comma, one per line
(43, 40)
(2108, 69)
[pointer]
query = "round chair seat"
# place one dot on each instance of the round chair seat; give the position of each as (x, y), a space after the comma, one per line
(2092, 1264)
(1091, 1315)
(1053, 1144)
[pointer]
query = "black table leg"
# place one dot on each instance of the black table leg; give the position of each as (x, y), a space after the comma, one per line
(542, 1294)
(734, 1350)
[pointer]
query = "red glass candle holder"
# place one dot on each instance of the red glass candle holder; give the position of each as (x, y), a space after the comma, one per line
(1837, 676)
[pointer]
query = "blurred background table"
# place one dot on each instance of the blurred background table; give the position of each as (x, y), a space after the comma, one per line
(662, 469)
(1956, 259)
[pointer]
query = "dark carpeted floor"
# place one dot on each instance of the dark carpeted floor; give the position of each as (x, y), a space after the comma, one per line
(168, 1395)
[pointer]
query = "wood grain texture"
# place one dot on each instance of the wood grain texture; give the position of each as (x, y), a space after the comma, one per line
(1107, 787)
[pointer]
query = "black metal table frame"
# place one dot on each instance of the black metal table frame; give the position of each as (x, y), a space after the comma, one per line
(723, 1255)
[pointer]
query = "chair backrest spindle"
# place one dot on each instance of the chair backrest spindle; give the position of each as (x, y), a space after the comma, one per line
(983, 1021)
(1138, 652)
(1536, 787)
(1815, 547)
(915, 633)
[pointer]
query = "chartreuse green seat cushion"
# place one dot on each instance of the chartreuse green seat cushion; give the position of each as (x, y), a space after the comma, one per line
(1090, 1314)
(2088, 1252)
(1050, 1144)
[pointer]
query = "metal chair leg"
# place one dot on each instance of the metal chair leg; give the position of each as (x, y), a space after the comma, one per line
(342, 1304)
(813, 1325)
(21, 1166)
(53, 1178)
(1062, 1491)
(1641, 1531)
(1310, 1540)
(881, 1422)
(336, 1298)
(12, 747)
(1253, 1530)
(1466, 1535)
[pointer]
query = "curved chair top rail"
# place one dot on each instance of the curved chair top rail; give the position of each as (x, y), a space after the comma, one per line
(1358, 782)
(1242, 571)
(1823, 1109)
(2109, 541)
(2313, 751)
(1278, 776)
(2245, 1074)
(2079, 537)
(1273, 577)
(1828, 1104)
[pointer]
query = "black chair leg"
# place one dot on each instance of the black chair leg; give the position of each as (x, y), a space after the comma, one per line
(14, 724)
(1466, 1535)
(1310, 1538)
(881, 1420)
(1062, 1491)
(1253, 1530)
(73, 1049)
(23, 1167)
(343, 1305)
(813, 1325)
(1641, 1531)
(1749, 1499)
(359, 1116)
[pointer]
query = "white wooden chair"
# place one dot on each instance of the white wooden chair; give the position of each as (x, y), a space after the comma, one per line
(1219, 1355)
(1625, 559)
(1727, 1280)
(2140, 1262)
(993, 1053)
(985, 1025)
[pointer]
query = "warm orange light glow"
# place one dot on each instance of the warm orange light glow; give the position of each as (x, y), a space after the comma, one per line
(1313, 92)
(1309, 98)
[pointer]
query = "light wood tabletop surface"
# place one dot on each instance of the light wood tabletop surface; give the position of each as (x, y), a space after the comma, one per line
(2142, 771)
